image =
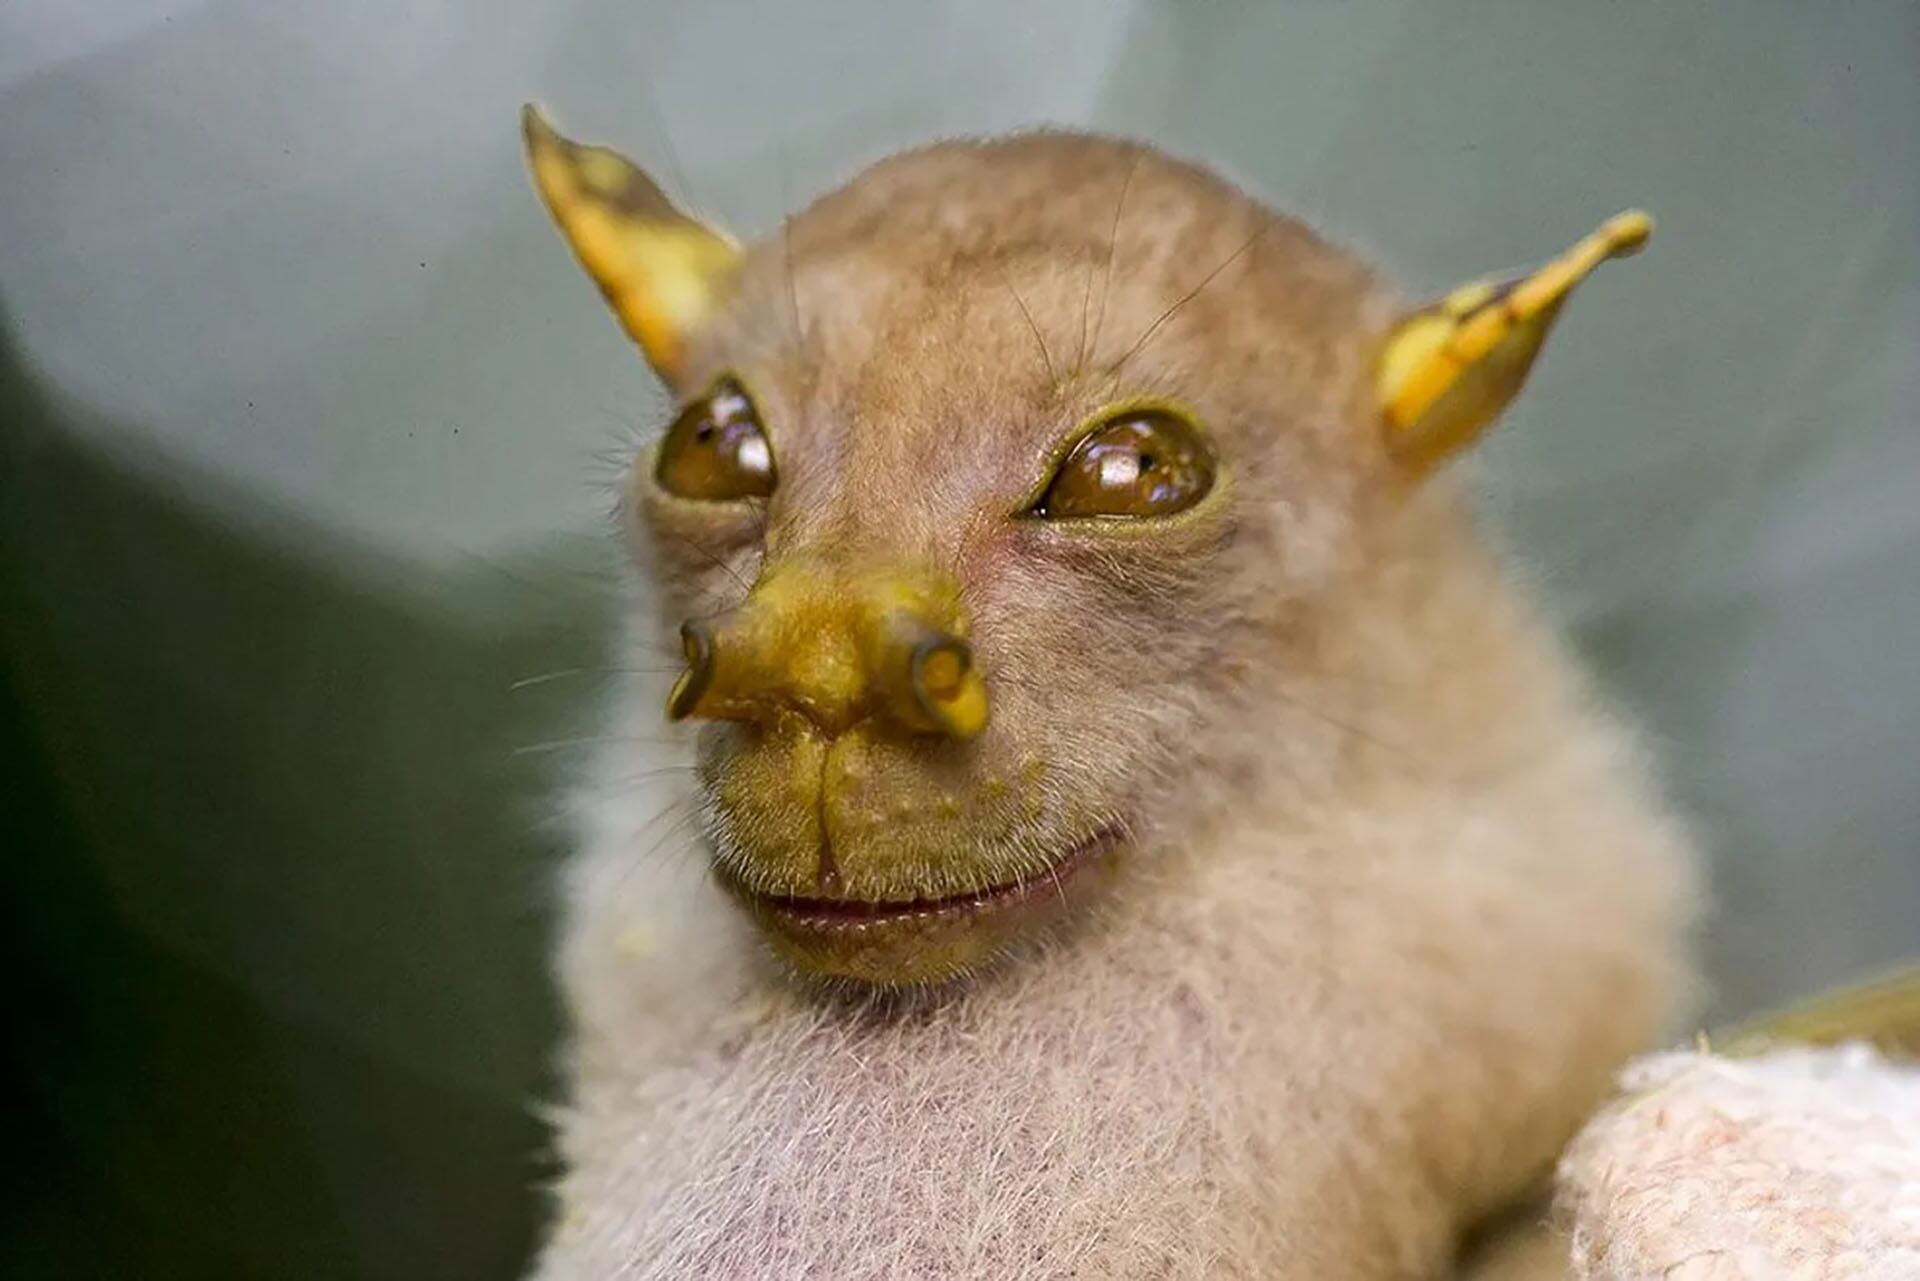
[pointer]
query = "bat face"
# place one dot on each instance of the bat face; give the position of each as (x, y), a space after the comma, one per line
(1088, 415)
(1003, 481)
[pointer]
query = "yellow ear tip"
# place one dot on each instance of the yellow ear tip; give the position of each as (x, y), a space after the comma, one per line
(660, 270)
(1449, 369)
(538, 134)
(1627, 233)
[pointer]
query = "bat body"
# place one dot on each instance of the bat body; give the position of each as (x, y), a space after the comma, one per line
(1137, 827)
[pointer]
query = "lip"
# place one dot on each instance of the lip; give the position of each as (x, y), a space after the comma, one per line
(917, 941)
(847, 913)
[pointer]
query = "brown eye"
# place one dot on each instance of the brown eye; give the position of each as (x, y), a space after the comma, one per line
(716, 450)
(1145, 462)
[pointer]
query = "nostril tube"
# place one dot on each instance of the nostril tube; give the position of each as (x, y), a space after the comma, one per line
(696, 642)
(939, 667)
(946, 687)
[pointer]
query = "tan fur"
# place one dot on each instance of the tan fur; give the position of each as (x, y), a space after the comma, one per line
(1396, 898)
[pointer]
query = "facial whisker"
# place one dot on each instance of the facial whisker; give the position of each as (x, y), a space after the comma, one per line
(759, 508)
(714, 559)
(795, 325)
(793, 288)
(1345, 726)
(1113, 371)
(631, 783)
(1113, 246)
(591, 740)
(570, 673)
(1086, 296)
(671, 828)
(1039, 338)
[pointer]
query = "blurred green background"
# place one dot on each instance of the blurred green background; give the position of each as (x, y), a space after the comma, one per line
(303, 424)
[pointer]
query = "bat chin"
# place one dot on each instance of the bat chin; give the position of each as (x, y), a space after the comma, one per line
(921, 941)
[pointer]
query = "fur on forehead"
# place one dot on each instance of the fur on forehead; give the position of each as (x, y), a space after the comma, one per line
(1150, 226)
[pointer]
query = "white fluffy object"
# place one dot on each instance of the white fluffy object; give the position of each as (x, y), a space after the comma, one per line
(1800, 1164)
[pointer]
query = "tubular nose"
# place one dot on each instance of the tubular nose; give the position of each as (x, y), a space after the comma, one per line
(835, 652)
(756, 664)
(696, 643)
(935, 684)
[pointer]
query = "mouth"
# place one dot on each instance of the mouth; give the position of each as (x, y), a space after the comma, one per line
(918, 941)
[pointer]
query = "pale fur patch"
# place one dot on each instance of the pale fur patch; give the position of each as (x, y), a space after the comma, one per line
(1802, 1163)
(1300, 1044)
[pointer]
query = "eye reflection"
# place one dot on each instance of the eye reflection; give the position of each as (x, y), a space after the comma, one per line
(1140, 463)
(716, 449)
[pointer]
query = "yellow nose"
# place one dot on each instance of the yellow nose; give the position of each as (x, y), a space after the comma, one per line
(836, 650)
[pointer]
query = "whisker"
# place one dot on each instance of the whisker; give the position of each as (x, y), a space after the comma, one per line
(793, 288)
(592, 740)
(714, 559)
(1113, 235)
(628, 783)
(1113, 245)
(688, 816)
(547, 585)
(786, 251)
(1245, 245)
(1038, 337)
(651, 105)
(666, 830)
(1340, 723)
(528, 682)
(568, 673)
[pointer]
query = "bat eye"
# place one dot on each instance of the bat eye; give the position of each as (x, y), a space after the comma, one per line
(1136, 463)
(715, 450)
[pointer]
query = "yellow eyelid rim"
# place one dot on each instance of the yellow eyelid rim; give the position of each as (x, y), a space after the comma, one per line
(1094, 421)
(1496, 326)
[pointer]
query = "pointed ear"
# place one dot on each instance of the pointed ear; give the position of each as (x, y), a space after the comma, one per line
(662, 272)
(1450, 368)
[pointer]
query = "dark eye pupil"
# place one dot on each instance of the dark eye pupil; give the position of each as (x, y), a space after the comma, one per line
(703, 433)
(1146, 462)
